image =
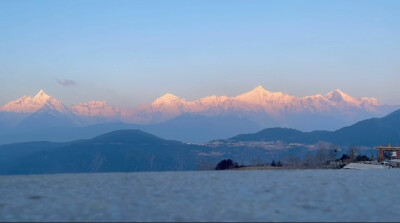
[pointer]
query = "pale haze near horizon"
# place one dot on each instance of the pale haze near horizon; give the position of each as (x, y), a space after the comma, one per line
(130, 52)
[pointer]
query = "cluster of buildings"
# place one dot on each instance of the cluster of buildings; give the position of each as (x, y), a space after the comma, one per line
(389, 155)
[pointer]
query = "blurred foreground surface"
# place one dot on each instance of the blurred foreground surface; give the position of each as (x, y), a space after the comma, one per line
(274, 195)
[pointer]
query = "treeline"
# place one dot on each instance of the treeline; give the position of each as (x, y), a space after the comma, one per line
(322, 158)
(228, 164)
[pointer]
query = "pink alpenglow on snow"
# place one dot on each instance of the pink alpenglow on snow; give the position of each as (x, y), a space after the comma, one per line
(27, 104)
(257, 105)
(95, 108)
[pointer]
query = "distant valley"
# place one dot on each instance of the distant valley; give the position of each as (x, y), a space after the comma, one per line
(135, 150)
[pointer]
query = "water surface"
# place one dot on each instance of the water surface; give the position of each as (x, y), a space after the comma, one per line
(269, 195)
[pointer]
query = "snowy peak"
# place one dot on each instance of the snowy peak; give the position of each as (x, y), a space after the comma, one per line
(168, 96)
(260, 89)
(40, 101)
(337, 91)
(167, 99)
(258, 100)
(338, 97)
(260, 96)
(255, 95)
(41, 95)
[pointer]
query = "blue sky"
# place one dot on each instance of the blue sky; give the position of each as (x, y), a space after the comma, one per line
(130, 52)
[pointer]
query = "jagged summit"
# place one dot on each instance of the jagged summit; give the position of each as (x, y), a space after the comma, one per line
(41, 93)
(336, 93)
(261, 96)
(338, 96)
(167, 99)
(259, 88)
(40, 101)
(41, 96)
(168, 96)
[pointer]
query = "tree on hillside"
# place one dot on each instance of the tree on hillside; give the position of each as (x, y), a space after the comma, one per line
(362, 158)
(226, 165)
(353, 152)
(333, 152)
(344, 157)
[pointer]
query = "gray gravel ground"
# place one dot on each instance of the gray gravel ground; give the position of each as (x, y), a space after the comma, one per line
(274, 195)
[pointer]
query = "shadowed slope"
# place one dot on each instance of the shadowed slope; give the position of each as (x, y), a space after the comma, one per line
(370, 132)
(118, 151)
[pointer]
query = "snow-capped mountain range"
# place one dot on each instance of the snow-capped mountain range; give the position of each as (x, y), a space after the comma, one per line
(267, 109)
(27, 104)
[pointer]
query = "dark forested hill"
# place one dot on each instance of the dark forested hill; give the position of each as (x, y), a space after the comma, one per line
(118, 151)
(370, 132)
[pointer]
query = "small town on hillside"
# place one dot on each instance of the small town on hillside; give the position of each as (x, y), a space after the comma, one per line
(388, 157)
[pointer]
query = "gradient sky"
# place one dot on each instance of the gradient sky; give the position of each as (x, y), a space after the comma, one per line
(130, 52)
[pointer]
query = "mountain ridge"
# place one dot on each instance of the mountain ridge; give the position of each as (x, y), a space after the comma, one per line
(135, 150)
(259, 105)
(370, 132)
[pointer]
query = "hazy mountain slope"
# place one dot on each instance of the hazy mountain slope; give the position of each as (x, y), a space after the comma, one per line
(196, 128)
(44, 120)
(12, 154)
(10, 120)
(370, 132)
(95, 112)
(124, 151)
(62, 134)
(118, 151)
(186, 128)
(284, 134)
